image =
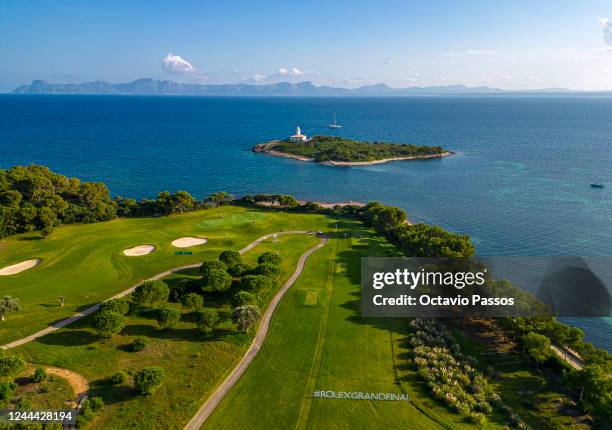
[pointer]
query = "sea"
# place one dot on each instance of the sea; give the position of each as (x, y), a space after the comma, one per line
(518, 184)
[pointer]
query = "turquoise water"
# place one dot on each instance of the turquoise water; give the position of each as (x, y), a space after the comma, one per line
(519, 183)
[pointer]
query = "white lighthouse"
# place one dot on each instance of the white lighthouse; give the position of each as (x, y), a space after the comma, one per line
(298, 136)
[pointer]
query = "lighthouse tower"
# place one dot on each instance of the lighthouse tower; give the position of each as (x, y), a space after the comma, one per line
(298, 136)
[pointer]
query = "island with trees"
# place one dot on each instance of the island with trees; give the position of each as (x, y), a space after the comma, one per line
(339, 151)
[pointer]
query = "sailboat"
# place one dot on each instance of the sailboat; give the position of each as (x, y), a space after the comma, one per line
(334, 124)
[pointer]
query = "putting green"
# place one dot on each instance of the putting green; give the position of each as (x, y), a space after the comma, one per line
(85, 263)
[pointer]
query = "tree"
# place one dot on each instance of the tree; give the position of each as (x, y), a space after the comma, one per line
(269, 258)
(285, 201)
(8, 304)
(11, 365)
(121, 306)
(267, 269)
(7, 389)
(39, 375)
(216, 280)
(167, 317)
(243, 298)
(256, 283)
(230, 258)
(387, 217)
(193, 301)
(119, 378)
(107, 323)
(151, 293)
(207, 320)
(240, 269)
(212, 265)
(149, 379)
(245, 317)
(538, 346)
(219, 199)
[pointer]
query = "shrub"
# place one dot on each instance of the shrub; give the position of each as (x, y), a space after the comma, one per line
(167, 317)
(269, 258)
(11, 365)
(216, 280)
(119, 378)
(7, 389)
(256, 283)
(89, 407)
(121, 306)
(193, 301)
(107, 323)
(9, 304)
(267, 269)
(151, 293)
(39, 375)
(211, 265)
(207, 320)
(245, 317)
(242, 298)
(230, 258)
(139, 344)
(149, 379)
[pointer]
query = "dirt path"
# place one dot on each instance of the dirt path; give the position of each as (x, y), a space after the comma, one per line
(78, 383)
(124, 293)
(217, 396)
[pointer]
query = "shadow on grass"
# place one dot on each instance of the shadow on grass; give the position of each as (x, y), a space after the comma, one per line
(69, 338)
(110, 393)
(28, 238)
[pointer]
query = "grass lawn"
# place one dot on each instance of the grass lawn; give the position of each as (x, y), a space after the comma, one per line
(85, 263)
(194, 365)
(51, 393)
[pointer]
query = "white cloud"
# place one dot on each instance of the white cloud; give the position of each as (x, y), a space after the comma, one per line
(392, 61)
(293, 71)
(473, 53)
(177, 65)
(607, 30)
(506, 77)
(258, 78)
(532, 78)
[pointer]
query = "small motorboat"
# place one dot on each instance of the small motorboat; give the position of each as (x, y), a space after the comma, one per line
(598, 186)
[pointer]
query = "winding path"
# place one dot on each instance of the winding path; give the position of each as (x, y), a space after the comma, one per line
(95, 307)
(217, 396)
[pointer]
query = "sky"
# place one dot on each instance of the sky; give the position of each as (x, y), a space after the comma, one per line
(515, 44)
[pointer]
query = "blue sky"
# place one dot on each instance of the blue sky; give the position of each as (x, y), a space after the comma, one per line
(512, 44)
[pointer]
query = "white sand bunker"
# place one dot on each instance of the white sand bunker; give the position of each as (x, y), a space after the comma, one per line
(19, 267)
(139, 250)
(186, 242)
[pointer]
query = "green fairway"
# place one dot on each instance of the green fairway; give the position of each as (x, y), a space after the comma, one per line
(194, 365)
(85, 263)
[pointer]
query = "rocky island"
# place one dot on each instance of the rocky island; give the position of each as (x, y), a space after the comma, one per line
(339, 151)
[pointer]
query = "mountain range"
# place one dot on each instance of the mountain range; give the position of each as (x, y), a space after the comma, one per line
(148, 86)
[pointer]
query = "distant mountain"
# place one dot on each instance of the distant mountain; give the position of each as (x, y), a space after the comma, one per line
(152, 87)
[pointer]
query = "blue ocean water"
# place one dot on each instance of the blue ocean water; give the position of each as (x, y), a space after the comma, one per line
(519, 183)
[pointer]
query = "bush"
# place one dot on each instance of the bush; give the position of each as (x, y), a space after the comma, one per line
(7, 389)
(139, 344)
(256, 283)
(11, 365)
(89, 407)
(269, 258)
(119, 378)
(216, 280)
(167, 317)
(39, 375)
(193, 301)
(207, 320)
(121, 306)
(151, 293)
(242, 298)
(212, 265)
(149, 379)
(245, 317)
(107, 323)
(267, 269)
(230, 258)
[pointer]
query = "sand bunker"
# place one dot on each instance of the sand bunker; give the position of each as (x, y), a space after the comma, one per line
(139, 250)
(185, 242)
(19, 267)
